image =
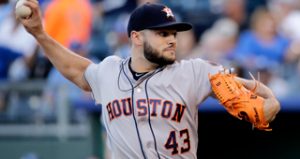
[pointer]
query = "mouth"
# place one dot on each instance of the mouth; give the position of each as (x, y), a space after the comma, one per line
(170, 52)
(170, 49)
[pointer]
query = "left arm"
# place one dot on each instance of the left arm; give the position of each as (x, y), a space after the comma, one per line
(271, 104)
(245, 99)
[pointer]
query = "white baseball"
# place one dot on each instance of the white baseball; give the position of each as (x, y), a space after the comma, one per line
(21, 10)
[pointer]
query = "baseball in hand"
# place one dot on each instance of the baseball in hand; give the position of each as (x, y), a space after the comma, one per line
(21, 10)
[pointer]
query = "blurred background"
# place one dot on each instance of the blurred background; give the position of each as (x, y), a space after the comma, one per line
(44, 116)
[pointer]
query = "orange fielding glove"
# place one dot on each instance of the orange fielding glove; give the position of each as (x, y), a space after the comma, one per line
(239, 101)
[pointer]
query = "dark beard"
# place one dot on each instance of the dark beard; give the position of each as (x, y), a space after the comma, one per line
(152, 55)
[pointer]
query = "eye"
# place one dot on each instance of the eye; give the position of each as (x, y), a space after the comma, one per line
(175, 34)
(166, 34)
(163, 34)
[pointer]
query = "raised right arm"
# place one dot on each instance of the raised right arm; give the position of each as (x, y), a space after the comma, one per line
(68, 63)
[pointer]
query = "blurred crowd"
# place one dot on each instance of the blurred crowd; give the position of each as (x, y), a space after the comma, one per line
(258, 37)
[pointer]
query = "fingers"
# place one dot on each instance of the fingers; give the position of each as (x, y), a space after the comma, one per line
(33, 23)
(33, 1)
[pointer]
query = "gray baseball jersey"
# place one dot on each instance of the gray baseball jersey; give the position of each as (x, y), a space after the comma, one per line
(155, 116)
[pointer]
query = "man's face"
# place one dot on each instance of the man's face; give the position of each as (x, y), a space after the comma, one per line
(160, 46)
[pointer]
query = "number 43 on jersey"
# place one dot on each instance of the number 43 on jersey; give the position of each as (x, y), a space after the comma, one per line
(173, 145)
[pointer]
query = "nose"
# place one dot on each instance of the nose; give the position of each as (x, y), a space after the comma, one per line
(172, 40)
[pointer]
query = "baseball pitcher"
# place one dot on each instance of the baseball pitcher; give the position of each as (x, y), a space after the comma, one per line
(149, 100)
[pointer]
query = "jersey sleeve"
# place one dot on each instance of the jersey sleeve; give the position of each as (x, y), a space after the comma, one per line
(202, 69)
(96, 74)
(91, 76)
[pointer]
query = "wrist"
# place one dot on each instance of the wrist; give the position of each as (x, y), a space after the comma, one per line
(41, 36)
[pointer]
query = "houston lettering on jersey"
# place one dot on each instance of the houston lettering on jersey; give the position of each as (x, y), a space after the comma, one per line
(164, 108)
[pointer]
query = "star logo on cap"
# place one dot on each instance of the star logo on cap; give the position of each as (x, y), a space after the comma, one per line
(168, 11)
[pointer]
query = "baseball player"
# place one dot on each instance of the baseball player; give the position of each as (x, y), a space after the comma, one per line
(149, 101)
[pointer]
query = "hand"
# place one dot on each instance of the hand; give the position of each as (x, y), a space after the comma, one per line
(33, 24)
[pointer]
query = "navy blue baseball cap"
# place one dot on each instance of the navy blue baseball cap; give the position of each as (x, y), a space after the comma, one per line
(154, 16)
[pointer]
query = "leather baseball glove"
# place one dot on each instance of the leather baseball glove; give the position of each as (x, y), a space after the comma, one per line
(240, 102)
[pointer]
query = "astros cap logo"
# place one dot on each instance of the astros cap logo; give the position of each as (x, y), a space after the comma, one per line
(168, 11)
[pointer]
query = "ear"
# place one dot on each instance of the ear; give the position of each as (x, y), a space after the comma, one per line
(137, 38)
